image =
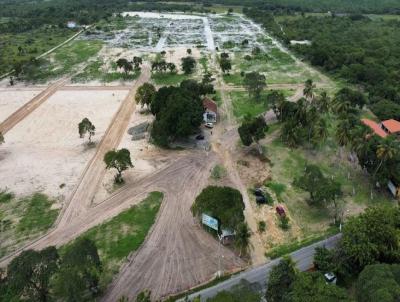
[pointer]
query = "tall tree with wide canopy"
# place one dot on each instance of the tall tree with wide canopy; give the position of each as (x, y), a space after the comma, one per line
(145, 94)
(119, 160)
(255, 83)
(29, 274)
(86, 126)
(252, 130)
(280, 281)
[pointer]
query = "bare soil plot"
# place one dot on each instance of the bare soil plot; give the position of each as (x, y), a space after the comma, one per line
(11, 100)
(44, 152)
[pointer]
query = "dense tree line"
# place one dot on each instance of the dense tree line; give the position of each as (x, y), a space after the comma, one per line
(367, 255)
(68, 275)
(362, 51)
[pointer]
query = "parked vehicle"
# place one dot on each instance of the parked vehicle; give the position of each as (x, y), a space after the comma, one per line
(261, 199)
(330, 278)
(280, 211)
(209, 125)
(259, 192)
(200, 137)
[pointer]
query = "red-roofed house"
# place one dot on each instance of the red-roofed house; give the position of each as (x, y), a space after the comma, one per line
(391, 126)
(375, 127)
(210, 111)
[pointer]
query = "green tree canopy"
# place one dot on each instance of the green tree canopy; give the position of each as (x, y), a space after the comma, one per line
(86, 126)
(280, 281)
(29, 274)
(188, 64)
(252, 130)
(119, 160)
(379, 282)
(371, 237)
(255, 83)
(224, 203)
(145, 94)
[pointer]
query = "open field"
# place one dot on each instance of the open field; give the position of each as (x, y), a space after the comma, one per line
(171, 253)
(123, 234)
(22, 219)
(11, 100)
(44, 152)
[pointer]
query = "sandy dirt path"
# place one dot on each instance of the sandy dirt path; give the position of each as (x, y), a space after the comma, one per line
(177, 253)
(94, 172)
(29, 107)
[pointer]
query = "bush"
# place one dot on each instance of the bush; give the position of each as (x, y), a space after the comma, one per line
(284, 223)
(223, 203)
(218, 172)
(262, 226)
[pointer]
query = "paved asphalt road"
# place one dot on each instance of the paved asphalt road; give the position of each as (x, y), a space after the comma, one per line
(303, 258)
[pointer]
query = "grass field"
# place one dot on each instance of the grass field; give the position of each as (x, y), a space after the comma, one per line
(23, 218)
(243, 105)
(118, 237)
(288, 164)
(24, 46)
(64, 61)
(168, 78)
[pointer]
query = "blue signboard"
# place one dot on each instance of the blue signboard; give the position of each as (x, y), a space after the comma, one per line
(209, 221)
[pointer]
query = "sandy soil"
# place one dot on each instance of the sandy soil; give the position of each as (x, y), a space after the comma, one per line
(11, 100)
(44, 150)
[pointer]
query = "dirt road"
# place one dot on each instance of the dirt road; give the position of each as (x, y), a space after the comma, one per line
(94, 172)
(29, 107)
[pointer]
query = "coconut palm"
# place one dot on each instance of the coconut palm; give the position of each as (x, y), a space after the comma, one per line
(242, 238)
(308, 90)
(387, 149)
(323, 102)
(320, 131)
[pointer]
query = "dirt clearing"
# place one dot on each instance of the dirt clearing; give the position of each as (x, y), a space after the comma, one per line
(11, 100)
(44, 152)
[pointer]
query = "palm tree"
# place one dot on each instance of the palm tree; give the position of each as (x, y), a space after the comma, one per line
(308, 90)
(343, 134)
(242, 238)
(323, 102)
(320, 130)
(387, 149)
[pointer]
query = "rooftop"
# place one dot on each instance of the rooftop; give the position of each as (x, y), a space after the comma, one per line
(391, 125)
(375, 127)
(210, 104)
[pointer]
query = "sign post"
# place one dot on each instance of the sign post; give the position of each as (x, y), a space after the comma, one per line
(209, 221)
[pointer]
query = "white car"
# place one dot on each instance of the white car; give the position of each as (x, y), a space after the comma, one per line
(209, 125)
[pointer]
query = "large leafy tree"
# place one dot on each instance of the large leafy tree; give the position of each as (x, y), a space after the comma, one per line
(252, 130)
(225, 64)
(1, 138)
(78, 278)
(311, 287)
(280, 281)
(223, 203)
(188, 64)
(255, 83)
(379, 282)
(86, 126)
(371, 237)
(119, 160)
(178, 111)
(29, 274)
(145, 94)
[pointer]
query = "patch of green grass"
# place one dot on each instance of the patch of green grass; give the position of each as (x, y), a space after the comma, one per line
(204, 63)
(233, 78)
(22, 219)
(243, 105)
(118, 237)
(38, 215)
(286, 249)
(65, 61)
(168, 78)
(277, 188)
(21, 47)
(218, 172)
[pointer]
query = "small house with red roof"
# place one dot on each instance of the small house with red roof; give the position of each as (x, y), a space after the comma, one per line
(210, 110)
(384, 128)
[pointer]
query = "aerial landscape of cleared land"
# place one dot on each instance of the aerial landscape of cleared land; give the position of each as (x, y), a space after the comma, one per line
(162, 151)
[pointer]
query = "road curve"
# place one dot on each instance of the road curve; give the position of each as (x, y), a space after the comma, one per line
(302, 257)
